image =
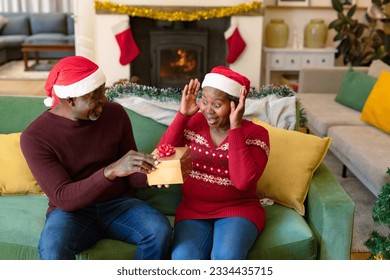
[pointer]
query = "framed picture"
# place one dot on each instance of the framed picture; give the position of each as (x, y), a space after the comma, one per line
(296, 3)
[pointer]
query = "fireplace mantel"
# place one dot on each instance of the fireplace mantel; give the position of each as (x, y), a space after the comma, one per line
(186, 3)
(250, 26)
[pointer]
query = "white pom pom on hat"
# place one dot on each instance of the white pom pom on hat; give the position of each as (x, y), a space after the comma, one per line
(72, 76)
(226, 80)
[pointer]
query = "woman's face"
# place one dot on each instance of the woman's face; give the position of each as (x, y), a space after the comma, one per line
(215, 106)
(90, 106)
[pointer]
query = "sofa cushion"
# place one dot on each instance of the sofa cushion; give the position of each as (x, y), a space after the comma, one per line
(18, 25)
(25, 218)
(13, 40)
(16, 177)
(165, 200)
(376, 111)
(376, 67)
(3, 22)
(292, 161)
(354, 90)
(365, 151)
(323, 112)
(70, 24)
(25, 108)
(47, 38)
(48, 23)
(285, 236)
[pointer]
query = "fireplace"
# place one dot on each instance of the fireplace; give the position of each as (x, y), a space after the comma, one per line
(171, 53)
(103, 42)
(177, 56)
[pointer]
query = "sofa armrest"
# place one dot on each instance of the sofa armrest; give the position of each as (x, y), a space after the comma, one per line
(330, 213)
(323, 80)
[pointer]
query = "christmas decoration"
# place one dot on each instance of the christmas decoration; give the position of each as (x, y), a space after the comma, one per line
(235, 42)
(165, 150)
(378, 244)
(175, 14)
(170, 94)
(125, 89)
(124, 37)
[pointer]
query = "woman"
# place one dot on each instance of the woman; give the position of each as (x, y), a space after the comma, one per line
(220, 215)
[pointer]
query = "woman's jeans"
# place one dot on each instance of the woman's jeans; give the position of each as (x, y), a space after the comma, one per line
(217, 239)
(131, 220)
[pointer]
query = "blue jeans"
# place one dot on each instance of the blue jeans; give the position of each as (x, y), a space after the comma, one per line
(131, 220)
(217, 239)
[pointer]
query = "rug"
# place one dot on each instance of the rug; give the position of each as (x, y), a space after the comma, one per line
(14, 70)
(364, 201)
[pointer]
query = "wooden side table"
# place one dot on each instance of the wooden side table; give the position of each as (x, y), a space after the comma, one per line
(289, 59)
(37, 48)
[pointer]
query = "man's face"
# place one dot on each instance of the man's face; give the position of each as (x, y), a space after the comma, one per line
(90, 106)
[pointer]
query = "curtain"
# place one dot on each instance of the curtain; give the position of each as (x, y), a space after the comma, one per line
(36, 6)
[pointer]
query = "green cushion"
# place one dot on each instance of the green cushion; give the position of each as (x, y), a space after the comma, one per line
(164, 200)
(147, 132)
(16, 113)
(286, 236)
(25, 217)
(355, 89)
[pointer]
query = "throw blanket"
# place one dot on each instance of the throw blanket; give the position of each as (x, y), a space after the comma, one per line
(273, 109)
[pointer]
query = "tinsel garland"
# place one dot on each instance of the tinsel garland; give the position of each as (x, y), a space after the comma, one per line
(176, 15)
(128, 89)
(170, 94)
(379, 245)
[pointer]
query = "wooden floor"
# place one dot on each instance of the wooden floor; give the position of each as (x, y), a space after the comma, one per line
(22, 87)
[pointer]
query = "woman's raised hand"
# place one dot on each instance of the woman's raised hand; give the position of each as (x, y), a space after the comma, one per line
(188, 105)
(236, 113)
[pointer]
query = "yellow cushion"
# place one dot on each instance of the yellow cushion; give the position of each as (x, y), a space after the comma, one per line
(377, 107)
(293, 158)
(15, 175)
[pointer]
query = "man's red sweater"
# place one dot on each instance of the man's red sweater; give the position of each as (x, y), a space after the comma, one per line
(67, 158)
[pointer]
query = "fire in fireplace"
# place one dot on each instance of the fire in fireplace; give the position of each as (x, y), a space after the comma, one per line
(178, 56)
(171, 53)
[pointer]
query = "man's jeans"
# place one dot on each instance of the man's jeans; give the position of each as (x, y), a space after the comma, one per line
(131, 220)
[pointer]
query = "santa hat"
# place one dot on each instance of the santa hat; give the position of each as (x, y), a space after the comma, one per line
(72, 76)
(227, 80)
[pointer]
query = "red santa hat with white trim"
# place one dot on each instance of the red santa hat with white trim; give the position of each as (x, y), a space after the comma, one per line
(72, 76)
(226, 80)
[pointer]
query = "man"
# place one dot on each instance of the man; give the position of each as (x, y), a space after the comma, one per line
(83, 154)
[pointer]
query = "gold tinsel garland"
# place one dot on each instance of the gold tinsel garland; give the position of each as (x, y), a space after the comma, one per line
(176, 15)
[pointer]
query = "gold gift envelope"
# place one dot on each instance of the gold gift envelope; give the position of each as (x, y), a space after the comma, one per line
(173, 169)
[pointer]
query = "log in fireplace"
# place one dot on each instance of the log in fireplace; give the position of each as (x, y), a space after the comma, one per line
(171, 53)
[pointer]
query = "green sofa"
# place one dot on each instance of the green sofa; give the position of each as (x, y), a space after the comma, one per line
(325, 232)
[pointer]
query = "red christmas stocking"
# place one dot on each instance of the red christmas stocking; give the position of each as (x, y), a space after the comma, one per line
(236, 44)
(124, 37)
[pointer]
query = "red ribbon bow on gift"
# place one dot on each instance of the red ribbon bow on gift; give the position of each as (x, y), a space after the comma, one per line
(165, 150)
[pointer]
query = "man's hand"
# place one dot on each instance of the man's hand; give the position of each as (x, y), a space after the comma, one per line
(130, 163)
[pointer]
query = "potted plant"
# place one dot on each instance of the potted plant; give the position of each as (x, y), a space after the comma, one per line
(360, 43)
(379, 245)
